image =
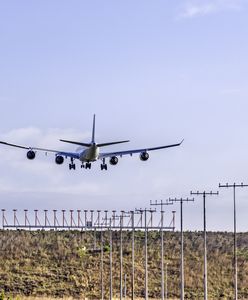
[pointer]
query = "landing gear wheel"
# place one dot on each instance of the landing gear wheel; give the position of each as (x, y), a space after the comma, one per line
(104, 167)
(88, 165)
(72, 166)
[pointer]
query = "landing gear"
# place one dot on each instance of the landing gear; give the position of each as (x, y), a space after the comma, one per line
(88, 165)
(72, 165)
(104, 166)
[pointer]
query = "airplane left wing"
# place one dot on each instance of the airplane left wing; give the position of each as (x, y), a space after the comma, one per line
(57, 152)
(130, 152)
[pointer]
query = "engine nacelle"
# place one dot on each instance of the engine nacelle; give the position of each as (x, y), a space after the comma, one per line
(144, 156)
(113, 160)
(30, 154)
(59, 159)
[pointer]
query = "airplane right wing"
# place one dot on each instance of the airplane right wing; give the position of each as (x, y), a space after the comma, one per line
(130, 152)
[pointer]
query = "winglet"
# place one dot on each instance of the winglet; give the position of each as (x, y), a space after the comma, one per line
(182, 141)
(93, 129)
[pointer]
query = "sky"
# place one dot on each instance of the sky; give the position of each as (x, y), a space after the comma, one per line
(154, 72)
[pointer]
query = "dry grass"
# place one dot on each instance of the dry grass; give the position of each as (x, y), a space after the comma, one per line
(54, 265)
(70, 298)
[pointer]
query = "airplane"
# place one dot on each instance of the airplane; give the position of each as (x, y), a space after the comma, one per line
(90, 152)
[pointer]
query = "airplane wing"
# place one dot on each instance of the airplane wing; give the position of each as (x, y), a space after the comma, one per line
(130, 152)
(58, 152)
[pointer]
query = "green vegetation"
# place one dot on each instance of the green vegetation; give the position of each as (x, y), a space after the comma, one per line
(66, 264)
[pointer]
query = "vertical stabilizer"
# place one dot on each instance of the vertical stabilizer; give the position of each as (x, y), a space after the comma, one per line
(93, 129)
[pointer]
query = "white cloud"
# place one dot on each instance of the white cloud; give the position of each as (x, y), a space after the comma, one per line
(205, 7)
(33, 136)
(22, 175)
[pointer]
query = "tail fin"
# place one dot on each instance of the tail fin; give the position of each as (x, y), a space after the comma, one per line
(93, 129)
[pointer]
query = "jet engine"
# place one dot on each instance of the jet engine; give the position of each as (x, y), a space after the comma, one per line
(113, 160)
(59, 159)
(30, 154)
(144, 156)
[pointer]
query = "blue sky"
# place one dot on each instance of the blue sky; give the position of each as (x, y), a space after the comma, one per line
(153, 72)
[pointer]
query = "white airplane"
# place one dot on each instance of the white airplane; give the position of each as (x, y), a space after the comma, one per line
(90, 152)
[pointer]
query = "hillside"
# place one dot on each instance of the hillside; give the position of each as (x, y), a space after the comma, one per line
(62, 264)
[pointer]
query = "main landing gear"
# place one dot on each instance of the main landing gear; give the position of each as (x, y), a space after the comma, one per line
(72, 165)
(86, 165)
(104, 166)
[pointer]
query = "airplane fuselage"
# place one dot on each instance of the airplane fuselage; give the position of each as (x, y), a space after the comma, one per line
(89, 154)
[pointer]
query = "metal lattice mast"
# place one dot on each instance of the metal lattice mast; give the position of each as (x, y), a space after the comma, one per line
(205, 275)
(234, 186)
(181, 200)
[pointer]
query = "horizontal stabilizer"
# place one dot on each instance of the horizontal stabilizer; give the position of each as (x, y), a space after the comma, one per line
(76, 143)
(112, 143)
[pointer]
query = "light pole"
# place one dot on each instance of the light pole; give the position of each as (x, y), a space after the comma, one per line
(205, 238)
(121, 217)
(234, 186)
(166, 280)
(181, 200)
(110, 260)
(133, 228)
(141, 211)
(146, 268)
(102, 291)
(162, 204)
